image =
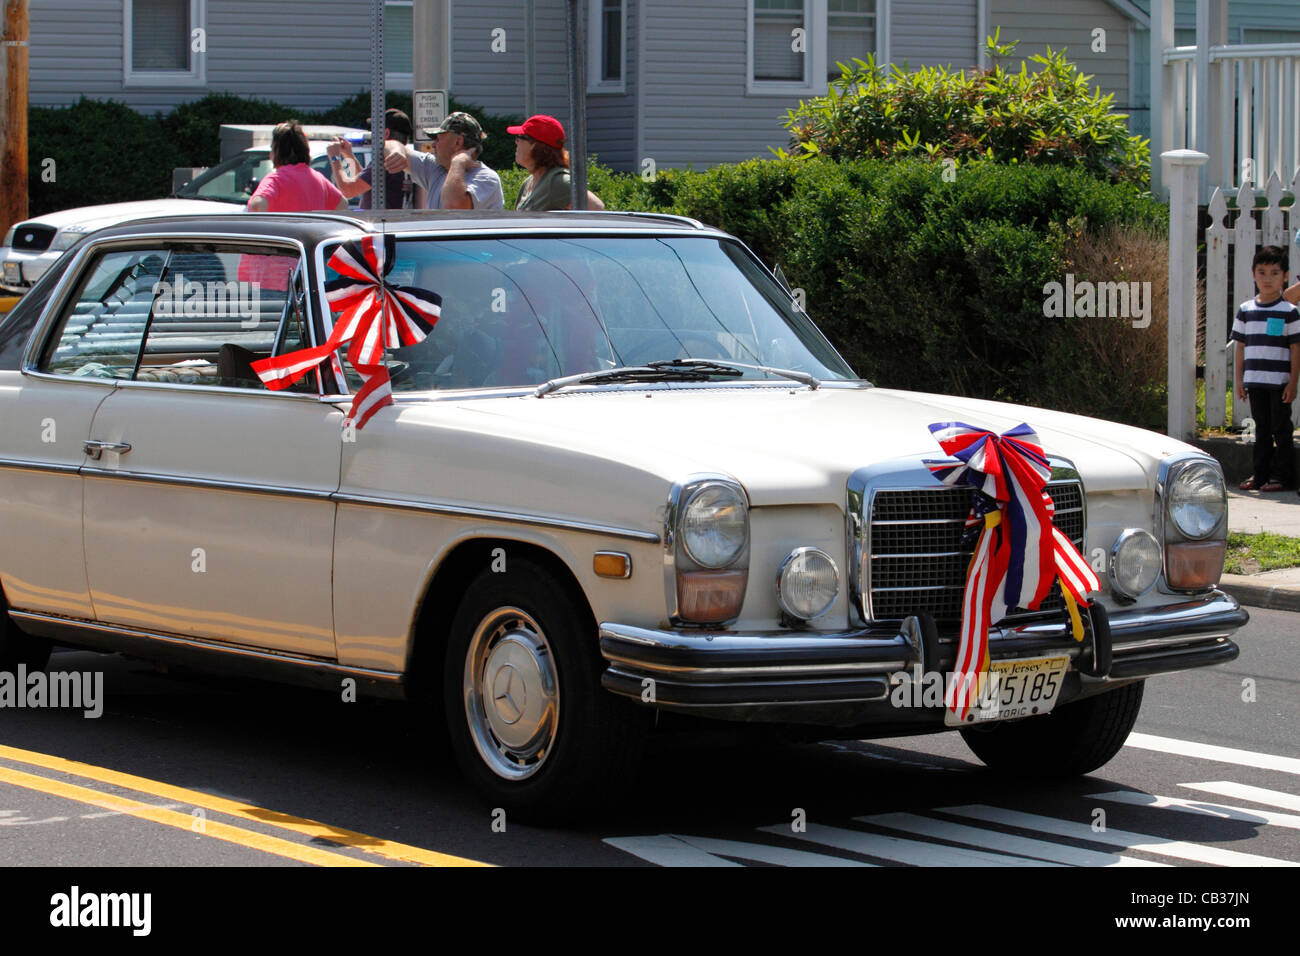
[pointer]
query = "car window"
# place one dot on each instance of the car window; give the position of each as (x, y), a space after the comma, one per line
(520, 311)
(235, 179)
(182, 315)
(231, 181)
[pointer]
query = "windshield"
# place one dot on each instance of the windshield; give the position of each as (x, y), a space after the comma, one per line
(522, 311)
(235, 179)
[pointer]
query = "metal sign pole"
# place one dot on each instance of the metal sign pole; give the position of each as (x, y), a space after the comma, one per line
(530, 42)
(577, 102)
(378, 180)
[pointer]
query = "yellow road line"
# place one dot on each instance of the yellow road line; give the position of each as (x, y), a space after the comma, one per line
(311, 828)
(181, 821)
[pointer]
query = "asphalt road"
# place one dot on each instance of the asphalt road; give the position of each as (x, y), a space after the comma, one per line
(184, 769)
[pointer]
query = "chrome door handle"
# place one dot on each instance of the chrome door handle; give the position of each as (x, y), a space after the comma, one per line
(94, 449)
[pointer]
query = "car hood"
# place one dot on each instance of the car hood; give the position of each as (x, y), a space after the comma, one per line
(792, 445)
(110, 214)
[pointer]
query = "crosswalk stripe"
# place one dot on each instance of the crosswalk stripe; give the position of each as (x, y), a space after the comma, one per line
(1005, 842)
(1242, 791)
(898, 850)
(666, 850)
(1190, 748)
(1272, 817)
(763, 853)
(675, 849)
(1145, 842)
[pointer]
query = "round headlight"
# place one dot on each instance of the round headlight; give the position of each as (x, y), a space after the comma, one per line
(1134, 563)
(714, 525)
(1197, 500)
(807, 584)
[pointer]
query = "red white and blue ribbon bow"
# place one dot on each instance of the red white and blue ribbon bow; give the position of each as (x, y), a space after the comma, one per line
(1020, 552)
(375, 316)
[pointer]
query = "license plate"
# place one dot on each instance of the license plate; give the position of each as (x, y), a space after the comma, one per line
(1024, 688)
(14, 273)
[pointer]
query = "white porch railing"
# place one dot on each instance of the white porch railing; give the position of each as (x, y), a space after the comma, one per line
(1252, 94)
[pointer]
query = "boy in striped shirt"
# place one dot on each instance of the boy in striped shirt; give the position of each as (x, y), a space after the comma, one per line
(1268, 328)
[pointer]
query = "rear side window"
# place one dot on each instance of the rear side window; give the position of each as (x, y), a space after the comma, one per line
(180, 315)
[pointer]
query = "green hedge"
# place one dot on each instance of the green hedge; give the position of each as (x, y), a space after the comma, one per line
(933, 285)
(104, 151)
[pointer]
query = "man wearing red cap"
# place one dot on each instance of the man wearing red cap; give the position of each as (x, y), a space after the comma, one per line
(539, 148)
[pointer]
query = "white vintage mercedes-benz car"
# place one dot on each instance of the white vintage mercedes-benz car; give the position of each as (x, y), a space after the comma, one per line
(622, 475)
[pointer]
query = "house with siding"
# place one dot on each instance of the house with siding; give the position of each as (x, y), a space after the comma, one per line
(674, 81)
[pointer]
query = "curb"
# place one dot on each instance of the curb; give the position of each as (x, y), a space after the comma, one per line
(1278, 597)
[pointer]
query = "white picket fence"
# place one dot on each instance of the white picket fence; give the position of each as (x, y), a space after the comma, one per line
(1276, 226)
(1248, 125)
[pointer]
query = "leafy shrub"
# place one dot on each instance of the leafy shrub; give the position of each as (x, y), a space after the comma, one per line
(1047, 117)
(195, 127)
(939, 286)
(102, 152)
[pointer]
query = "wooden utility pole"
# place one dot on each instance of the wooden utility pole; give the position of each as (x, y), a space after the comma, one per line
(13, 115)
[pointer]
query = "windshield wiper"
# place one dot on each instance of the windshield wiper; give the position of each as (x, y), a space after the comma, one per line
(674, 370)
(721, 366)
(653, 372)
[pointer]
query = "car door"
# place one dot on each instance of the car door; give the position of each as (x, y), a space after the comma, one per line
(208, 512)
(50, 387)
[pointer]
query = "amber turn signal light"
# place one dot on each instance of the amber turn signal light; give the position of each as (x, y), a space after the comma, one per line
(1194, 565)
(710, 597)
(612, 564)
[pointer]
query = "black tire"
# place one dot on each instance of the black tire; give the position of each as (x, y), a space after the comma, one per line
(19, 648)
(591, 740)
(1072, 740)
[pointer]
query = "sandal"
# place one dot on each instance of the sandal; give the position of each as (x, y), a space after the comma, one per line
(1250, 484)
(1272, 486)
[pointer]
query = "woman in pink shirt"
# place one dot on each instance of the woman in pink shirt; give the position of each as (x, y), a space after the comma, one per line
(293, 186)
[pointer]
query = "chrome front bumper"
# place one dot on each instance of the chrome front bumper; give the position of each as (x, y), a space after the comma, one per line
(843, 678)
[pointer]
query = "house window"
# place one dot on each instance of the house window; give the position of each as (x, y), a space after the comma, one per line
(606, 45)
(780, 41)
(850, 33)
(398, 34)
(163, 43)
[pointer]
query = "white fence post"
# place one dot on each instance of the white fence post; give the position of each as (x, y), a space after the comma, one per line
(1162, 88)
(1216, 298)
(1244, 238)
(1182, 166)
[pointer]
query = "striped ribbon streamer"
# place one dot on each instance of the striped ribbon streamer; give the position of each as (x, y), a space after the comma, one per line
(375, 316)
(1019, 553)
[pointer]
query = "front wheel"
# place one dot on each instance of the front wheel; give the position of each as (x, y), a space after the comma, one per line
(529, 722)
(1072, 740)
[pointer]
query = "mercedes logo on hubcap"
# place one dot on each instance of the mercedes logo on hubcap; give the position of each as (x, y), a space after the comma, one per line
(508, 694)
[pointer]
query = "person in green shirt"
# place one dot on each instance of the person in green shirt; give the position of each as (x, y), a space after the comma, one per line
(539, 148)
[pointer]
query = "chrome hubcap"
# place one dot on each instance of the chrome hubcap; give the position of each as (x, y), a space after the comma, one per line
(512, 699)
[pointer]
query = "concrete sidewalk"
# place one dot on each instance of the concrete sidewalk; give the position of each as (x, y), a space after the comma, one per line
(1251, 512)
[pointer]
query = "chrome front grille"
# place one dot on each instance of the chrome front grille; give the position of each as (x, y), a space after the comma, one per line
(916, 558)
